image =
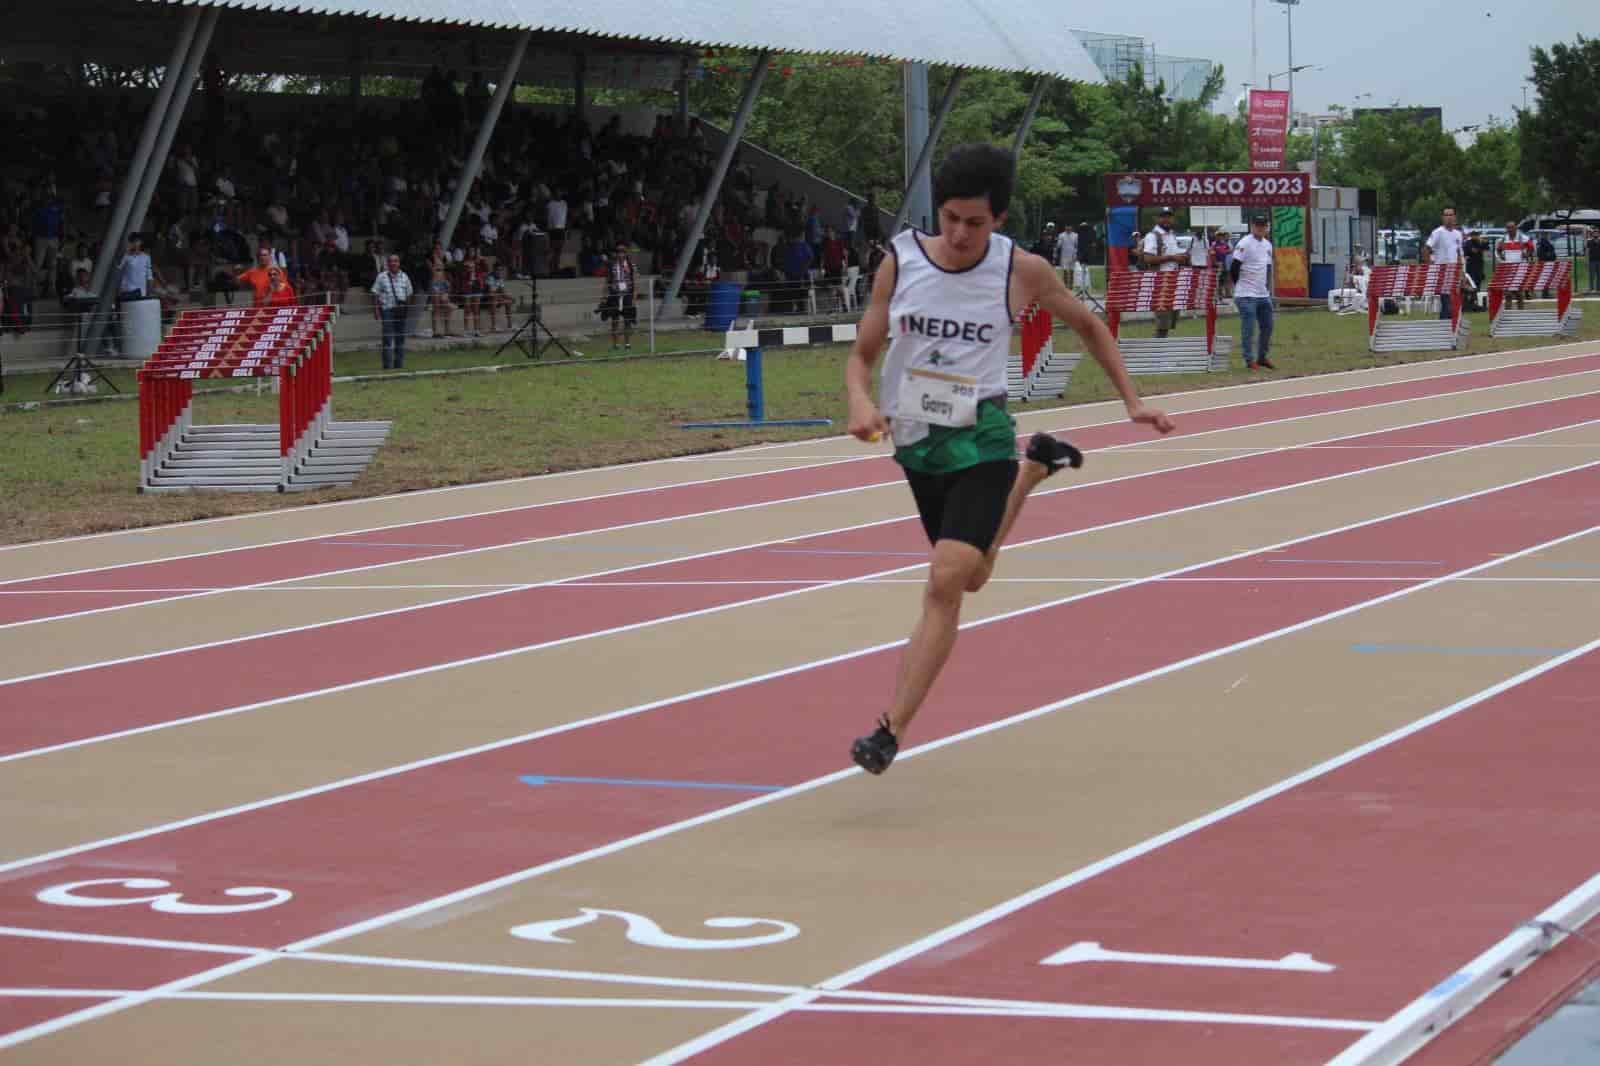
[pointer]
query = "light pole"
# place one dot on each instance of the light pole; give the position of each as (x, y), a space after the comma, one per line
(1288, 10)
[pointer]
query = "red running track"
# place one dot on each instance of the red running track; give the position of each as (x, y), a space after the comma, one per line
(125, 585)
(371, 848)
(1396, 868)
(83, 703)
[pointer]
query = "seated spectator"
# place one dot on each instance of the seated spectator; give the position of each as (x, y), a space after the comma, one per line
(332, 280)
(833, 255)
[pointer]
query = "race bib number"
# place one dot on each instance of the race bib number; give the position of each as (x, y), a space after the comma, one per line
(939, 398)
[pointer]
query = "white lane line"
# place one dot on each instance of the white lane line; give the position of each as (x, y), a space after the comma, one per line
(755, 601)
(1397, 374)
(743, 547)
(842, 459)
(575, 583)
(860, 973)
(1063, 1010)
(566, 727)
(952, 932)
(753, 506)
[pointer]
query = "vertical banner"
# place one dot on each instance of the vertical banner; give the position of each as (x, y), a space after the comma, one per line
(1289, 251)
(1268, 125)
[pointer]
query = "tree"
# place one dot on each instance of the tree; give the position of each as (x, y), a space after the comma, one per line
(1560, 135)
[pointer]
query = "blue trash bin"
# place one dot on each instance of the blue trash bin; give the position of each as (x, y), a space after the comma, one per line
(1321, 280)
(722, 305)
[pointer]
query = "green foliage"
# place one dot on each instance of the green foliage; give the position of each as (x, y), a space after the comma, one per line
(1560, 136)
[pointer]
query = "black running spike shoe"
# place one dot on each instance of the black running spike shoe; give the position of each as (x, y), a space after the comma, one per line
(1052, 453)
(874, 753)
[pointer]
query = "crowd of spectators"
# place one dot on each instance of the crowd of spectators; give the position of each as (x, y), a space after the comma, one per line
(333, 189)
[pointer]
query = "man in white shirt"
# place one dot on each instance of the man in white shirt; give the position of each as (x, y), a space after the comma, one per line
(1514, 249)
(1444, 246)
(1251, 270)
(1160, 252)
(1067, 254)
(391, 292)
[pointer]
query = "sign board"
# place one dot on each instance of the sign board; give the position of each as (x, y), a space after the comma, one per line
(1248, 188)
(1268, 128)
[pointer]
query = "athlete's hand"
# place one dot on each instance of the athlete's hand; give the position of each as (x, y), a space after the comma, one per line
(867, 422)
(1160, 421)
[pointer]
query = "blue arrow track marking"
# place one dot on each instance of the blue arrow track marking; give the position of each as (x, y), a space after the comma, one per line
(548, 779)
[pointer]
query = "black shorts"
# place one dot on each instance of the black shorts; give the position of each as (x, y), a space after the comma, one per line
(966, 505)
(619, 305)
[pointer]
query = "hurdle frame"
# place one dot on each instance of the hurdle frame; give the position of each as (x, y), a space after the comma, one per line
(1530, 277)
(1183, 289)
(1411, 282)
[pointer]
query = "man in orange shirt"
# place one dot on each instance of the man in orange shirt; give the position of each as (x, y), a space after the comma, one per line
(257, 277)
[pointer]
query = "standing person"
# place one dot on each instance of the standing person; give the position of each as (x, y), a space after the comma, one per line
(1444, 247)
(555, 222)
(1067, 255)
(1472, 252)
(259, 277)
(391, 293)
(1221, 260)
(947, 301)
(1159, 251)
(1045, 246)
(135, 272)
(1592, 247)
(1544, 250)
(621, 285)
(1515, 249)
(1252, 292)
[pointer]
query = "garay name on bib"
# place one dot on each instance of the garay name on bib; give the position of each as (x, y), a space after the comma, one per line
(947, 328)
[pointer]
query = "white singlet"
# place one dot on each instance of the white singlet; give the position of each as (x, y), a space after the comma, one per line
(949, 337)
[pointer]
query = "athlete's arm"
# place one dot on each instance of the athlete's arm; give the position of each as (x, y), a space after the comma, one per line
(866, 421)
(1039, 284)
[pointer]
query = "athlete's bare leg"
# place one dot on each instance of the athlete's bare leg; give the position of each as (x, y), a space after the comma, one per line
(951, 569)
(1029, 474)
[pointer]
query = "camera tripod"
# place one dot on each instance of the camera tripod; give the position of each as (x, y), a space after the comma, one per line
(532, 347)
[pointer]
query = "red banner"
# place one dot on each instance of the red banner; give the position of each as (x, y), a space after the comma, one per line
(1211, 189)
(1268, 125)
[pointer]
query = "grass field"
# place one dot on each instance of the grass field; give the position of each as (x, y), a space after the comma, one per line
(71, 469)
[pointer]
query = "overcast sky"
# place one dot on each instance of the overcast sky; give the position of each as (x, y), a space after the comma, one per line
(1469, 57)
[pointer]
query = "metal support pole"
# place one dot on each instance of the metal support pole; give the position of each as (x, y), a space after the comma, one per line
(580, 86)
(173, 117)
(143, 180)
(683, 97)
(469, 172)
(926, 154)
(913, 134)
(111, 245)
(747, 104)
(1028, 114)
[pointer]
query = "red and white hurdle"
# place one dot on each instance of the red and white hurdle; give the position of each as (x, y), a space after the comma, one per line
(305, 449)
(1408, 283)
(1038, 371)
(1184, 289)
(1535, 322)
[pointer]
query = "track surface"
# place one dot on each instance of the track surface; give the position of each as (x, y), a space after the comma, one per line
(1263, 731)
